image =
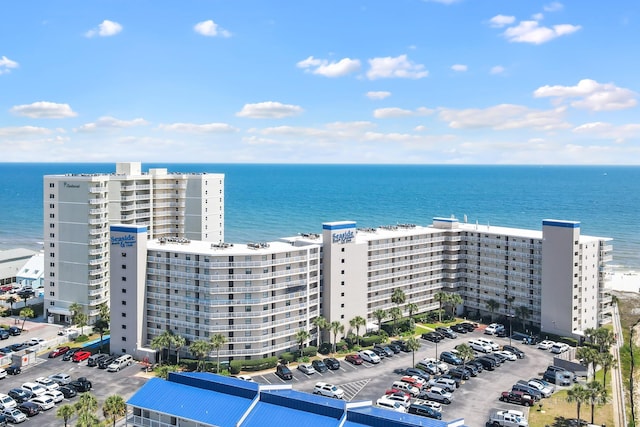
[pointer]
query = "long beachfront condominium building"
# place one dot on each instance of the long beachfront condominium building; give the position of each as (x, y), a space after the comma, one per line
(79, 208)
(260, 295)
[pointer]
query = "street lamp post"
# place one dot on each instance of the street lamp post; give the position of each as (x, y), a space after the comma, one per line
(436, 350)
(510, 328)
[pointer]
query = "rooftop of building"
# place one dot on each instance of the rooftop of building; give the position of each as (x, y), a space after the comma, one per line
(247, 404)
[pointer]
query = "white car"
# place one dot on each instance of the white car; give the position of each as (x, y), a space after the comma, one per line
(56, 395)
(430, 403)
(493, 328)
(494, 346)
(545, 391)
(369, 356)
(60, 378)
(47, 383)
(546, 344)
(394, 405)
(442, 366)
(34, 388)
(428, 367)
(244, 377)
(7, 401)
(328, 390)
(44, 402)
(306, 368)
(398, 397)
(3, 373)
(510, 356)
(444, 383)
(559, 347)
(13, 415)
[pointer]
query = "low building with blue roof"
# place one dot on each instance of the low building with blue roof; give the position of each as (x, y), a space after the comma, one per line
(200, 399)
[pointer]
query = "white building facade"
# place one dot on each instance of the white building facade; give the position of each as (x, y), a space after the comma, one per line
(79, 208)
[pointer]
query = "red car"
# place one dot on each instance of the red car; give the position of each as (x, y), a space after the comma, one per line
(80, 356)
(59, 351)
(354, 359)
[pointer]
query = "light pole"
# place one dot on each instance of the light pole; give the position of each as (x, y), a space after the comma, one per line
(510, 328)
(436, 350)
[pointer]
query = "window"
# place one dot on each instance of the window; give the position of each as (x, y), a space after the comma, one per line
(124, 338)
(124, 279)
(342, 249)
(51, 185)
(247, 308)
(124, 326)
(124, 266)
(52, 294)
(124, 314)
(52, 196)
(124, 290)
(52, 245)
(52, 226)
(51, 215)
(123, 254)
(124, 302)
(342, 272)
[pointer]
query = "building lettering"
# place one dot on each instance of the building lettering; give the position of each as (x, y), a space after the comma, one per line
(69, 185)
(344, 237)
(124, 241)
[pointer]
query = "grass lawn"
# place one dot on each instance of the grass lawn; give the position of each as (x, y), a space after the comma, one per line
(421, 329)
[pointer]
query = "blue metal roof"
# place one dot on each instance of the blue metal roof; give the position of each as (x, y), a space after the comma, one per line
(298, 400)
(270, 415)
(219, 383)
(188, 402)
(371, 416)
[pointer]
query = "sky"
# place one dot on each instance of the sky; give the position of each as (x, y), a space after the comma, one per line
(349, 81)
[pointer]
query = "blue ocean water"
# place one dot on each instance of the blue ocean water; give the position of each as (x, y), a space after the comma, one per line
(264, 202)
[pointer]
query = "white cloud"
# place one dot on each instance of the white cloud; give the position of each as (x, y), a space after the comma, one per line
(269, 110)
(398, 67)
(6, 65)
(459, 67)
(504, 117)
(498, 69)
(609, 131)
(420, 128)
(553, 7)
(44, 110)
(590, 95)
(537, 16)
(388, 113)
(106, 29)
(532, 32)
(22, 131)
(210, 29)
(329, 69)
(108, 122)
(378, 95)
(499, 21)
(196, 128)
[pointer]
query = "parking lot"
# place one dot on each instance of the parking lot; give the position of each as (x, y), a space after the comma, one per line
(472, 401)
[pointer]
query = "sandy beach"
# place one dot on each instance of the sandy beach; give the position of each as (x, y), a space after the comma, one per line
(625, 280)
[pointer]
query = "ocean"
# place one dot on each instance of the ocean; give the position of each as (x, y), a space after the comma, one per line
(267, 201)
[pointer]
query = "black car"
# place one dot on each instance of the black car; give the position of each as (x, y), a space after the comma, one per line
(104, 363)
(6, 350)
(459, 328)
(488, 364)
(494, 356)
(417, 372)
(95, 359)
(284, 372)
(387, 351)
(402, 344)
(14, 330)
(425, 411)
(446, 332)
(30, 409)
(515, 350)
(394, 347)
(81, 384)
(69, 354)
(14, 370)
(501, 357)
(463, 374)
(319, 366)
(18, 346)
(332, 363)
(380, 352)
(473, 369)
(448, 376)
(67, 391)
(20, 395)
(475, 364)
(3, 421)
(469, 326)
(432, 336)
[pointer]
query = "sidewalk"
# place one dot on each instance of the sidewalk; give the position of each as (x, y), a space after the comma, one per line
(617, 387)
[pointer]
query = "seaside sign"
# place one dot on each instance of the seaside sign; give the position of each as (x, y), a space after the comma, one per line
(344, 237)
(126, 241)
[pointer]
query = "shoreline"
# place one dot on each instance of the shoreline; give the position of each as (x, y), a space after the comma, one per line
(624, 279)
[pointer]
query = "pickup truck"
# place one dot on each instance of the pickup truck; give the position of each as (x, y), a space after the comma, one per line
(510, 418)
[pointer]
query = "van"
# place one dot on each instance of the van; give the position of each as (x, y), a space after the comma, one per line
(476, 345)
(383, 402)
(95, 359)
(401, 385)
(527, 389)
(121, 362)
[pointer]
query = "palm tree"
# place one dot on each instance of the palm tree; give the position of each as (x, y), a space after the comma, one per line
(395, 313)
(604, 339)
(167, 339)
(24, 313)
(412, 308)
(523, 312)
(157, 343)
(87, 419)
(178, 342)
(336, 327)
(11, 300)
(81, 320)
(590, 334)
(105, 313)
(442, 298)
(301, 337)
(492, 305)
(86, 403)
(453, 300)
(398, 298)
(75, 308)
(577, 394)
(465, 352)
(413, 345)
(100, 327)
(357, 322)
(66, 412)
(200, 349)
(605, 360)
(114, 407)
(322, 324)
(380, 314)
(217, 342)
(588, 355)
(596, 395)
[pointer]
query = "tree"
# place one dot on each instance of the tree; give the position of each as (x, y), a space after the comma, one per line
(86, 403)
(66, 412)
(453, 300)
(105, 313)
(113, 408)
(336, 327)
(81, 319)
(75, 309)
(200, 349)
(590, 334)
(301, 337)
(523, 312)
(412, 308)
(217, 342)
(380, 315)
(24, 313)
(178, 342)
(398, 297)
(606, 360)
(604, 338)
(442, 297)
(413, 345)
(596, 395)
(577, 394)
(395, 313)
(588, 356)
(357, 322)
(157, 343)
(100, 327)
(492, 305)
(87, 419)
(321, 324)
(11, 300)
(465, 352)
(167, 339)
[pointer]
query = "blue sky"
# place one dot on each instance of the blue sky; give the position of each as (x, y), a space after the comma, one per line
(377, 81)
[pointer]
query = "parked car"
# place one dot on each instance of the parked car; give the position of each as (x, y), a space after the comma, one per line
(104, 363)
(527, 389)
(418, 373)
(515, 350)
(69, 354)
(517, 397)
(445, 383)
(432, 336)
(509, 356)
(80, 356)
(284, 372)
(442, 366)
(332, 363)
(4, 334)
(68, 391)
(459, 328)
(424, 411)
(380, 352)
(544, 384)
(546, 344)
(393, 405)
(385, 350)
(14, 370)
(60, 378)
(469, 326)
(29, 408)
(479, 346)
(14, 330)
(399, 396)
(95, 359)
(493, 329)
(395, 347)
(14, 415)
(461, 373)
(369, 356)
(494, 346)
(34, 388)
(417, 382)
(487, 364)
(81, 384)
(452, 359)
(47, 383)
(20, 395)
(559, 347)
(402, 344)
(354, 359)
(479, 367)
(56, 395)
(447, 332)
(439, 395)
(306, 368)
(44, 402)
(328, 390)
(319, 366)
(121, 362)
(545, 391)
(59, 351)
(429, 367)
(7, 401)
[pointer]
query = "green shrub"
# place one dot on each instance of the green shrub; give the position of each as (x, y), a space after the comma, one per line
(310, 351)
(235, 366)
(371, 340)
(82, 338)
(287, 357)
(325, 348)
